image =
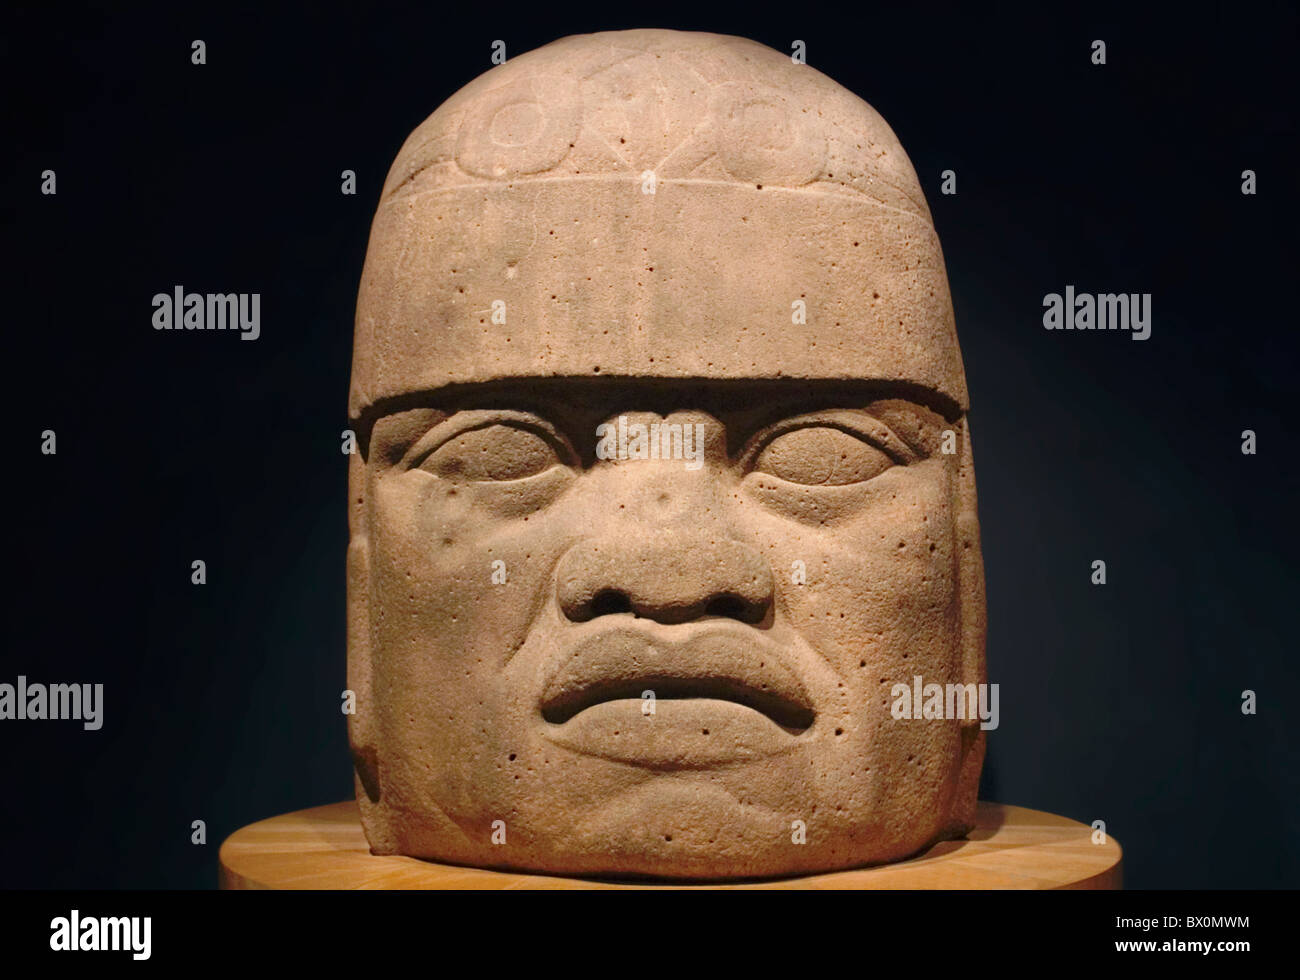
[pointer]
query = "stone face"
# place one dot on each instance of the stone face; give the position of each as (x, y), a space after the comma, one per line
(666, 479)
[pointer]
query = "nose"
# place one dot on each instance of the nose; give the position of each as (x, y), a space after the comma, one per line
(662, 550)
(668, 575)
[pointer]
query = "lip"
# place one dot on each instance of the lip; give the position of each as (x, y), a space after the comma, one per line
(722, 694)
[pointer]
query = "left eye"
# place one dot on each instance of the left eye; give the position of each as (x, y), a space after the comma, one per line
(821, 456)
(494, 452)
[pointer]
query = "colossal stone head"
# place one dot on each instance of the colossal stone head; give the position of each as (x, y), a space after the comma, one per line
(665, 477)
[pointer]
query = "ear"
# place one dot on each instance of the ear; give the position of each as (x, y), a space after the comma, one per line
(362, 724)
(974, 628)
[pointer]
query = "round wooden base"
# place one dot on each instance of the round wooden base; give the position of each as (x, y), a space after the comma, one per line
(1010, 847)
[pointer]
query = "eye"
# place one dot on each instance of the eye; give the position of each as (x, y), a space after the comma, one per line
(821, 455)
(492, 452)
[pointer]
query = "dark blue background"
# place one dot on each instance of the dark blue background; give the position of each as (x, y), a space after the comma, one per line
(1119, 703)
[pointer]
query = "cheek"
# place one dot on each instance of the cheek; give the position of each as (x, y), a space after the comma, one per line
(459, 571)
(456, 586)
(881, 577)
(880, 605)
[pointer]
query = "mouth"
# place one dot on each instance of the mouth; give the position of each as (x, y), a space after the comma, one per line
(709, 698)
(794, 717)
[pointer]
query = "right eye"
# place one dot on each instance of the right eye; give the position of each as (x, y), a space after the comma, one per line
(821, 456)
(494, 452)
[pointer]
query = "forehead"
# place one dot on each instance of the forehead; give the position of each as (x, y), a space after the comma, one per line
(701, 279)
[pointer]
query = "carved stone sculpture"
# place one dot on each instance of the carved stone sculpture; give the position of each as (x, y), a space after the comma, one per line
(665, 477)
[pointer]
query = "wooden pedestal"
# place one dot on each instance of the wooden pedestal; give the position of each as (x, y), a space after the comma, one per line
(1010, 847)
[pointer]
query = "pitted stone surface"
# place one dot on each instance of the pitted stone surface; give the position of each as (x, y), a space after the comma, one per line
(667, 480)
